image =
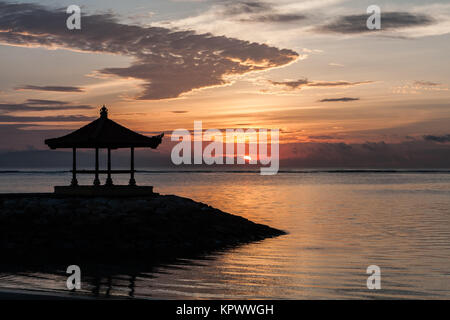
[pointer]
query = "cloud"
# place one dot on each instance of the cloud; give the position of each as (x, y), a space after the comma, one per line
(336, 83)
(240, 7)
(334, 64)
(41, 102)
(419, 86)
(440, 139)
(276, 18)
(343, 99)
(170, 62)
(317, 13)
(253, 11)
(179, 111)
(49, 88)
(352, 24)
(378, 154)
(75, 118)
(426, 83)
(321, 137)
(292, 84)
(375, 146)
(298, 84)
(41, 105)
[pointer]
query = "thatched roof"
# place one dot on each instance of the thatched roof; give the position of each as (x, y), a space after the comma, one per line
(104, 133)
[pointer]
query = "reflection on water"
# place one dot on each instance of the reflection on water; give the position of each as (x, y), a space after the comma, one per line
(338, 224)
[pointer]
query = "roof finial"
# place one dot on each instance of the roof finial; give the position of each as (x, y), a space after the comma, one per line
(104, 112)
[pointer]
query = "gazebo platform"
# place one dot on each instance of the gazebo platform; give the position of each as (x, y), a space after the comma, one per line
(105, 191)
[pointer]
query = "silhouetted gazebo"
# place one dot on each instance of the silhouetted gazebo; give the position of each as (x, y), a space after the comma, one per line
(103, 133)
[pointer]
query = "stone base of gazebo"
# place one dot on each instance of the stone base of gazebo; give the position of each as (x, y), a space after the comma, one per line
(105, 191)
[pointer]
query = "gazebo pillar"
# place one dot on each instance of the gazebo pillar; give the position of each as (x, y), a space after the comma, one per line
(109, 181)
(96, 180)
(74, 167)
(132, 181)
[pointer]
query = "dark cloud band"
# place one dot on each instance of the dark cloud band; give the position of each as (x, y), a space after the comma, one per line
(275, 18)
(254, 11)
(441, 139)
(389, 21)
(76, 118)
(40, 105)
(298, 84)
(343, 99)
(426, 83)
(50, 88)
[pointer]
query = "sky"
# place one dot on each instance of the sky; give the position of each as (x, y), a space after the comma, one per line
(339, 93)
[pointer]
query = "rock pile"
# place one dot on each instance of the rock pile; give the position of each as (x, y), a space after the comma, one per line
(47, 227)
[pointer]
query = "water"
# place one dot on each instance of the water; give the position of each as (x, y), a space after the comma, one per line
(339, 223)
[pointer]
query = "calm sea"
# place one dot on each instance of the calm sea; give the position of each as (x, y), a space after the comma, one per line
(339, 223)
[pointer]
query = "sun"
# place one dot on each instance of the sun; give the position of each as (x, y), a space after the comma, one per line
(247, 158)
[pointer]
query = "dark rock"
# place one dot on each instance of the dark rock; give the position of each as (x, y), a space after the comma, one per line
(47, 227)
